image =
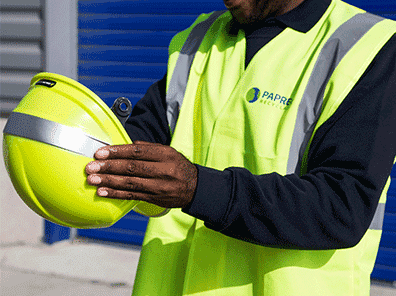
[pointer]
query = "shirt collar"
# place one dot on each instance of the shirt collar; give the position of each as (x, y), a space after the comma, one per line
(302, 18)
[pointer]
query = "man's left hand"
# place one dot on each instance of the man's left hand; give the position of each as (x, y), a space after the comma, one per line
(143, 171)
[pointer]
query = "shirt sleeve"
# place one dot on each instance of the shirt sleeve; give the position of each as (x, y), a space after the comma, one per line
(148, 120)
(332, 205)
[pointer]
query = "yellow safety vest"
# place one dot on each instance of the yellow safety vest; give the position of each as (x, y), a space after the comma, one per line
(261, 118)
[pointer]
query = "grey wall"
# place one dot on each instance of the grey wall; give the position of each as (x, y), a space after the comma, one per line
(21, 49)
(36, 36)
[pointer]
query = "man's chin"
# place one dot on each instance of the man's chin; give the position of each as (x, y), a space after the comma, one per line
(229, 3)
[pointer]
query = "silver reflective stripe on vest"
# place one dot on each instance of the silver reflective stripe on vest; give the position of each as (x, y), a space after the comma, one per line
(309, 110)
(52, 133)
(378, 220)
(178, 82)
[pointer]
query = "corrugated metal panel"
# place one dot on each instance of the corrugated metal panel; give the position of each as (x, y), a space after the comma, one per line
(21, 55)
(123, 45)
(14, 84)
(150, 7)
(20, 4)
(377, 6)
(21, 50)
(21, 25)
(134, 21)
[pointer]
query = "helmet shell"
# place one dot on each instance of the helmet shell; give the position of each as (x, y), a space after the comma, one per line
(52, 180)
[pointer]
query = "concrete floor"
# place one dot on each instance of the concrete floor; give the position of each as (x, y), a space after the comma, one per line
(67, 268)
(18, 283)
(82, 268)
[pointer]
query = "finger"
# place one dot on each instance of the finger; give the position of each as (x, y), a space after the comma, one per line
(135, 184)
(149, 152)
(127, 167)
(119, 194)
(129, 195)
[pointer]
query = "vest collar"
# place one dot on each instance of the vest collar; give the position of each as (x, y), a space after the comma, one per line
(301, 19)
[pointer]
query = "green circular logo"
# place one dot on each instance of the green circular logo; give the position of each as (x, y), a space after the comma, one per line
(253, 94)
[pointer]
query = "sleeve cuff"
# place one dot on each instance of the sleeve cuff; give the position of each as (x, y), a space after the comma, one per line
(212, 196)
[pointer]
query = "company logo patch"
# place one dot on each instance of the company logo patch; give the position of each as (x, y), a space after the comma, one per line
(269, 98)
(253, 95)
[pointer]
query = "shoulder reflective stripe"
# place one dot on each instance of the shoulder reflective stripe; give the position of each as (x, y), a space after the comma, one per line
(309, 110)
(52, 133)
(378, 219)
(178, 82)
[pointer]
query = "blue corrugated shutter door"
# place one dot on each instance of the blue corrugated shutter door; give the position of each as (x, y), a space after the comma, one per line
(123, 45)
(123, 50)
(385, 266)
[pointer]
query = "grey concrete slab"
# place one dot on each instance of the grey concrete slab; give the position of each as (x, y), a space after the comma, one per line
(19, 283)
(382, 289)
(89, 262)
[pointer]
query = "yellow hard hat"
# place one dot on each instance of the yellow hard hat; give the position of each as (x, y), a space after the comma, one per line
(49, 139)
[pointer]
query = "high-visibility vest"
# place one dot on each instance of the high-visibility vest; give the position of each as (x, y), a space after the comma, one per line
(261, 118)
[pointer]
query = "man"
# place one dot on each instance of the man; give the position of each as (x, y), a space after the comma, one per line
(282, 143)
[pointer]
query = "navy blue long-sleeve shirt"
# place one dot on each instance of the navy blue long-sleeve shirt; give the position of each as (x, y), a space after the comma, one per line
(349, 161)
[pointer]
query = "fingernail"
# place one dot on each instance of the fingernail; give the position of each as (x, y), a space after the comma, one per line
(93, 167)
(103, 153)
(102, 192)
(95, 179)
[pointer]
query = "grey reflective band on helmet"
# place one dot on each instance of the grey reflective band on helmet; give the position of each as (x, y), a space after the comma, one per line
(178, 83)
(52, 133)
(309, 110)
(378, 220)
